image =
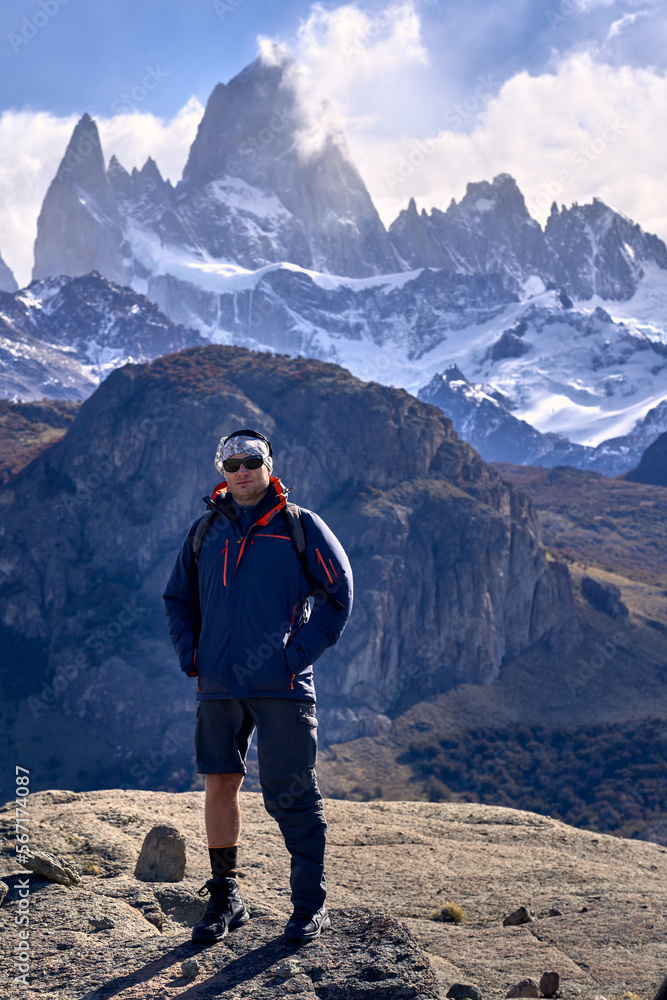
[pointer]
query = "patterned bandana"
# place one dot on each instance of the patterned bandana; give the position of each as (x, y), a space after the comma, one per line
(242, 445)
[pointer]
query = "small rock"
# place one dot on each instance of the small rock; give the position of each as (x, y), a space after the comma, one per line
(288, 969)
(520, 916)
(604, 597)
(463, 991)
(162, 856)
(553, 912)
(190, 968)
(154, 917)
(151, 911)
(4, 889)
(662, 991)
(526, 988)
(102, 923)
(549, 983)
(51, 867)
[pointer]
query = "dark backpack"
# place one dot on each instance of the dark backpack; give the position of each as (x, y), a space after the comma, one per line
(297, 535)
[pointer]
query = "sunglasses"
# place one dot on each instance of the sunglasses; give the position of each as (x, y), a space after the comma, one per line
(234, 464)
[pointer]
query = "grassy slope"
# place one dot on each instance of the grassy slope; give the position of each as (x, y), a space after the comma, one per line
(27, 429)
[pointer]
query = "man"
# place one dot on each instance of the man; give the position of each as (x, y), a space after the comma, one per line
(239, 617)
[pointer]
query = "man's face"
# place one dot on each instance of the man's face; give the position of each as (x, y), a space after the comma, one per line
(247, 486)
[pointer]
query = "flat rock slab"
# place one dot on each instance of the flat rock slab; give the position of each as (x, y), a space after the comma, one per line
(405, 858)
(365, 956)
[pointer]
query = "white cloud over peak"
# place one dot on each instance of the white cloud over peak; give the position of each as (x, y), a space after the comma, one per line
(32, 144)
(585, 130)
(356, 68)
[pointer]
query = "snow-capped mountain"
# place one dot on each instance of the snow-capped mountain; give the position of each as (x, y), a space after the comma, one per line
(585, 250)
(252, 193)
(271, 241)
(483, 417)
(61, 336)
(7, 279)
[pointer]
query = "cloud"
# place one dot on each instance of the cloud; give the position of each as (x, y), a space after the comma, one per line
(32, 143)
(624, 22)
(585, 130)
(586, 5)
(354, 67)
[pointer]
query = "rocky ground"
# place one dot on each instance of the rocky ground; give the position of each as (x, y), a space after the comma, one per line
(390, 865)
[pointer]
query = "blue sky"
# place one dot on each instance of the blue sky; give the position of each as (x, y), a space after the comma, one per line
(88, 54)
(517, 86)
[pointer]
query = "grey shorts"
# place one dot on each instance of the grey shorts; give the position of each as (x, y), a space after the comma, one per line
(286, 736)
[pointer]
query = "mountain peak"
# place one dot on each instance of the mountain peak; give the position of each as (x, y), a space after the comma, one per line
(83, 161)
(77, 229)
(504, 192)
(256, 110)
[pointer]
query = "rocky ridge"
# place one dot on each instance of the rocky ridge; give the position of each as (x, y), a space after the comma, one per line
(390, 866)
(251, 193)
(59, 337)
(585, 250)
(7, 279)
(435, 538)
(653, 465)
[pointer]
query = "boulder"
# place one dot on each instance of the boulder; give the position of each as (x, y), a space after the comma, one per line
(525, 988)
(549, 983)
(162, 857)
(604, 597)
(463, 991)
(51, 867)
(520, 916)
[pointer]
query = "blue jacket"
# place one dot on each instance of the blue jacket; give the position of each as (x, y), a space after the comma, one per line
(241, 620)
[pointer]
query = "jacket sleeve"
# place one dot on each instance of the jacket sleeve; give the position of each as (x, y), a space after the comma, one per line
(181, 599)
(328, 564)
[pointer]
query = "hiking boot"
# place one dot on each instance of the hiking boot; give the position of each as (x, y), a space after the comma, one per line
(304, 925)
(226, 910)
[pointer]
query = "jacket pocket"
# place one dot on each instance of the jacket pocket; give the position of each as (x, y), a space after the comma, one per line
(293, 662)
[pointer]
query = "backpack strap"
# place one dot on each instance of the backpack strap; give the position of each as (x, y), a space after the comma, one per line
(201, 531)
(295, 526)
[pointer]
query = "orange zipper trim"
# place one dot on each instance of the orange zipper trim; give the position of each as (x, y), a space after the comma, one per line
(319, 556)
(263, 521)
(224, 571)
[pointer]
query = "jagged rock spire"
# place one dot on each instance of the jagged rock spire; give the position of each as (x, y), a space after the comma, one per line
(78, 229)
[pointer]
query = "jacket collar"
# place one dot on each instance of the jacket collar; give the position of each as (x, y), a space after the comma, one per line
(273, 500)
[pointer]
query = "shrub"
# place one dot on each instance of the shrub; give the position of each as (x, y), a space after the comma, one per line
(449, 914)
